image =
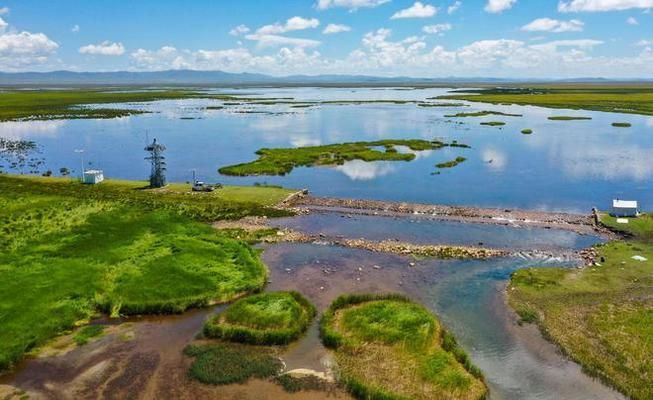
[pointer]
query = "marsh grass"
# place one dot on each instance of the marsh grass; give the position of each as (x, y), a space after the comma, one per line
(481, 114)
(277, 318)
(74, 250)
(86, 333)
(390, 348)
(283, 160)
(526, 131)
(601, 316)
(452, 163)
(622, 124)
(567, 118)
(493, 123)
(228, 363)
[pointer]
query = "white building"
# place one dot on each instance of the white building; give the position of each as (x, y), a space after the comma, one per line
(625, 208)
(93, 176)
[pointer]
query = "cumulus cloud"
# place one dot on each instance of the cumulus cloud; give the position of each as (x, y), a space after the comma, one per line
(644, 43)
(417, 10)
(105, 48)
(3, 25)
(75, 28)
(454, 7)
(553, 25)
(350, 4)
(437, 29)
(336, 28)
(278, 41)
(498, 6)
(20, 50)
(602, 5)
(632, 21)
(239, 30)
(4, 10)
(292, 24)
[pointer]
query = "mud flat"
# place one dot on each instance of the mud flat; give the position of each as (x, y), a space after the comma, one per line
(578, 223)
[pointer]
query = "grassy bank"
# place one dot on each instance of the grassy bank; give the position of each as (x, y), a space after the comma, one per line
(282, 161)
(264, 319)
(387, 347)
(480, 114)
(609, 98)
(68, 251)
(602, 316)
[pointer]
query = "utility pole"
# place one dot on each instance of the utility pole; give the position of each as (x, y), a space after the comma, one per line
(157, 173)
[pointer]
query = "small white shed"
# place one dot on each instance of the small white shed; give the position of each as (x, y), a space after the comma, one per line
(625, 208)
(93, 176)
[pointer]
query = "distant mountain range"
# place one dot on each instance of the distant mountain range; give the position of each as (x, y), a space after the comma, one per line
(220, 78)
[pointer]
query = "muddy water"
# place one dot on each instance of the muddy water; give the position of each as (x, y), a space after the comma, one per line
(143, 357)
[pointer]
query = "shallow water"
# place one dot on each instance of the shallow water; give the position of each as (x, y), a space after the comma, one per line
(570, 165)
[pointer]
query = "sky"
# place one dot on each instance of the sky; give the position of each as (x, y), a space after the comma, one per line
(428, 38)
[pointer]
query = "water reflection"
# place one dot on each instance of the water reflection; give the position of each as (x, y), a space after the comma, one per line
(30, 129)
(358, 170)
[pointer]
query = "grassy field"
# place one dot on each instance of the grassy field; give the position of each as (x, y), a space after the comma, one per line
(390, 348)
(602, 316)
(610, 98)
(283, 161)
(68, 251)
(265, 319)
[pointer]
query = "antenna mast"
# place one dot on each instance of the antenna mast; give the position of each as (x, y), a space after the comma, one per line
(157, 174)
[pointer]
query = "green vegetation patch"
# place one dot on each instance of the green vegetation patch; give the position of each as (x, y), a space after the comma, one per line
(481, 114)
(227, 363)
(622, 124)
(72, 250)
(567, 118)
(425, 104)
(640, 227)
(602, 316)
(86, 333)
(283, 160)
(526, 131)
(387, 347)
(452, 163)
(633, 99)
(265, 319)
(493, 123)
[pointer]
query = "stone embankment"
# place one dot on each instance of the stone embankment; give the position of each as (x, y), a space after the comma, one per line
(579, 223)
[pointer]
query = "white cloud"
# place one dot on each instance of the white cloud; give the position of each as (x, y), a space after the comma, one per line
(417, 10)
(4, 10)
(602, 5)
(20, 50)
(632, 21)
(31, 129)
(498, 6)
(556, 44)
(292, 24)
(454, 7)
(350, 4)
(278, 41)
(105, 48)
(239, 30)
(3, 25)
(75, 28)
(644, 43)
(358, 170)
(437, 29)
(553, 25)
(336, 28)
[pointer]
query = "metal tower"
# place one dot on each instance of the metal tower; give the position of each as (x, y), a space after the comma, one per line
(157, 175)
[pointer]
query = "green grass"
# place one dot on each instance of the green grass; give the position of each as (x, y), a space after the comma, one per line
(266, 319)
(387, 347)
(86, 333)
(493, 123)
(452, 163)
(567, 118)
(526, 131)
(481, 114)
(602, 316)
(228, 363)
(622, 124)
(282, 161)
(640, 227)
(633, 99)
(72, 250)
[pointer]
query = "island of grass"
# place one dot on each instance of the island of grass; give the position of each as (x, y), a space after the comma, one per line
(452, 163)
(426, 104)
(631, 99)
(568, 118)
(622, 124)
(601, 315)
(277, 318)
(493, 123)
(387, 347)
(526, 131)
(481, 114)
(283, 160)
(75, 250)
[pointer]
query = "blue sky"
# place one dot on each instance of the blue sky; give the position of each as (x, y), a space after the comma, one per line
(428, 38)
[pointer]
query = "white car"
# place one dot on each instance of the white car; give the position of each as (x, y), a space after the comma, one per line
(199, 186)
